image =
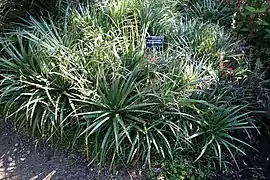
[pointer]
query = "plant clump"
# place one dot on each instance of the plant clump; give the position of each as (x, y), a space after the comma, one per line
(85, 77)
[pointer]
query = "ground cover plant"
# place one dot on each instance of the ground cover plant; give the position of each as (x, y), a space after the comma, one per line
(83, 76)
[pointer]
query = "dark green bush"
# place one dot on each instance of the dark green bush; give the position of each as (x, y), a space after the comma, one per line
(213, 11)
(253, 19)
(13, 10)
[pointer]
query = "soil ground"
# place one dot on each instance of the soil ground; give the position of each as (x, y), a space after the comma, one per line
(20, 160)
(256, 165)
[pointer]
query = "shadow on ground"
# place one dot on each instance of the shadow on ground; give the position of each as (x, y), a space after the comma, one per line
(20, 161)
(256, 165)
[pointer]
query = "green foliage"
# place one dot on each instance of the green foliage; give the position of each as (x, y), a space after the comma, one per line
(253, 18)
(85, 79)
(213, 11)
(183, 167)
(12, 10)
(215, 126)
(208, 40)
(120, 117)
(37, 90)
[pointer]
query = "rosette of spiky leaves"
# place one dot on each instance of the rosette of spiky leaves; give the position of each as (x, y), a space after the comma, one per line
(213, 11)
(213, 131)
(207, 40)
(37, 87)
(125, 122)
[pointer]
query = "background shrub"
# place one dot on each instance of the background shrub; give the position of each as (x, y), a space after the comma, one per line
(12, 10)
(212, 11)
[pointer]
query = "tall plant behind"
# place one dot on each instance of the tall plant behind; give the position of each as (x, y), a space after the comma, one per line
(212, 11)
(253, 18)
(209, 40)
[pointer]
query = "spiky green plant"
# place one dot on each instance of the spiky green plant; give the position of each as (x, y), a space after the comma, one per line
(213, 11)
(213, 128)
(207, 40)
(37, 90)
(122, 122)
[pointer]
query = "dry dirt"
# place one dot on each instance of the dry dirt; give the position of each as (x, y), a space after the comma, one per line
(20, 160)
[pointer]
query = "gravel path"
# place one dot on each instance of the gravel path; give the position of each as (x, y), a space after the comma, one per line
(20, 161)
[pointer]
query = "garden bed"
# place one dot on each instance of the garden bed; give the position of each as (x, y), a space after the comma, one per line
(85, 76)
